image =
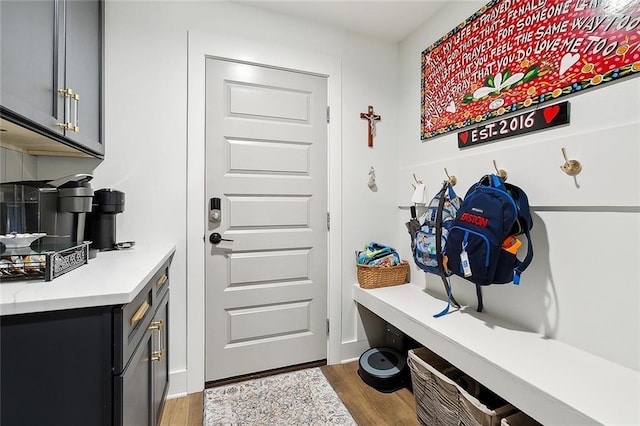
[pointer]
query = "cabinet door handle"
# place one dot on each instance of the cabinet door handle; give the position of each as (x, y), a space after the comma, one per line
(68, 96)
(66, 124)
(139, 314)
(156, 325)
(76, 111)
(163, 279)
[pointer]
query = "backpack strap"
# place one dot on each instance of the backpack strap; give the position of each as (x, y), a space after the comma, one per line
(449, 300)
(479, 297)
(443, 275)
(496, 181)
(452, 193)
(522, 265)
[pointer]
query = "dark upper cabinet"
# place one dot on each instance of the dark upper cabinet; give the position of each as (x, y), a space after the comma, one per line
(83, 70)
(31, 47)
(51, 76)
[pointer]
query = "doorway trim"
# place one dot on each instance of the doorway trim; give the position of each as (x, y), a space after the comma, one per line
(200, 46)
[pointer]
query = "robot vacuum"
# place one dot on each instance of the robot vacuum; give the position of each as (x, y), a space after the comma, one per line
(384, 369)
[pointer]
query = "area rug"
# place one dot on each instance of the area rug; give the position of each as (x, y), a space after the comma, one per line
(302, 397)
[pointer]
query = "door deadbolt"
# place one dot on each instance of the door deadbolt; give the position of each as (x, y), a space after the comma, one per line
(215, 238)
(215, 214)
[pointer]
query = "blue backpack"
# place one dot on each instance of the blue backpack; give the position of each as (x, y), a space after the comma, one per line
(482, 243)
(429, 238)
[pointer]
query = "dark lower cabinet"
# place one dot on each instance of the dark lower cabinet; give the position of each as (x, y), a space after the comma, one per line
(92, 366)
(160, 367)
(134, 387)
(55, 368)
(142, 387)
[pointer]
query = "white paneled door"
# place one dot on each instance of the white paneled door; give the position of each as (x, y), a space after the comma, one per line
(266, 160)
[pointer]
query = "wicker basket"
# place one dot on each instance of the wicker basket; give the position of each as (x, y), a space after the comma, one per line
(441, 400)
(382, 276)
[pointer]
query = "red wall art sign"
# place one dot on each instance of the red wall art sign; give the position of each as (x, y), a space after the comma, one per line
(513, 54)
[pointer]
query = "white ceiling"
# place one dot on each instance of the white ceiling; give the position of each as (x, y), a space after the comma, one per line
(389, 20)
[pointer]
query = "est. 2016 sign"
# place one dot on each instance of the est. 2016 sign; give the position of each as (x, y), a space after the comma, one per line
(542, 118)
(515, 54)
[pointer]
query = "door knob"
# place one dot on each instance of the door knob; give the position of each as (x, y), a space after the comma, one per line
(215, 238)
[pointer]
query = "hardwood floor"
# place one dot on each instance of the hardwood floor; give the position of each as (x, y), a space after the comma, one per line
(185, 411)
(366, 405)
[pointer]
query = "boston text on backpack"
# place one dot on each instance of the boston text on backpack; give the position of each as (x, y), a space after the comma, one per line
(429, 240)
(482, 243)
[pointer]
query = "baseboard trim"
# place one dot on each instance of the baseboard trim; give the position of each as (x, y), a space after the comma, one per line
(353, 349)
(177, 384)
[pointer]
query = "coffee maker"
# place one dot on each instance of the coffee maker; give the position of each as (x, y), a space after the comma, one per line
(101, 222)
(55, 207)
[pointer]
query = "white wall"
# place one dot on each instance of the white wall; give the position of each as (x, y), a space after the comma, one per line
(583, 285)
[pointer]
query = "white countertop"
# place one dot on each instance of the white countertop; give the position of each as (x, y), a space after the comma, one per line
(553, 382)
(111, 278)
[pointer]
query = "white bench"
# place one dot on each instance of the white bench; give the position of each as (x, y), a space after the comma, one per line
(551, 381)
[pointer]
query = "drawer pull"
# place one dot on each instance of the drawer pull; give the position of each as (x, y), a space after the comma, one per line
(139, 314)
(156, 325)
(163, 279)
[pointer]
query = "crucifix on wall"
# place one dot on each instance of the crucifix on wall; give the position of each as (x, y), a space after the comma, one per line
(371, 119)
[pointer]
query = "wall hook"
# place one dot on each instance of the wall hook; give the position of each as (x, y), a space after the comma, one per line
(418, 182)
(452, 179)
(371, 183)
(570, 167)
(502, 173)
